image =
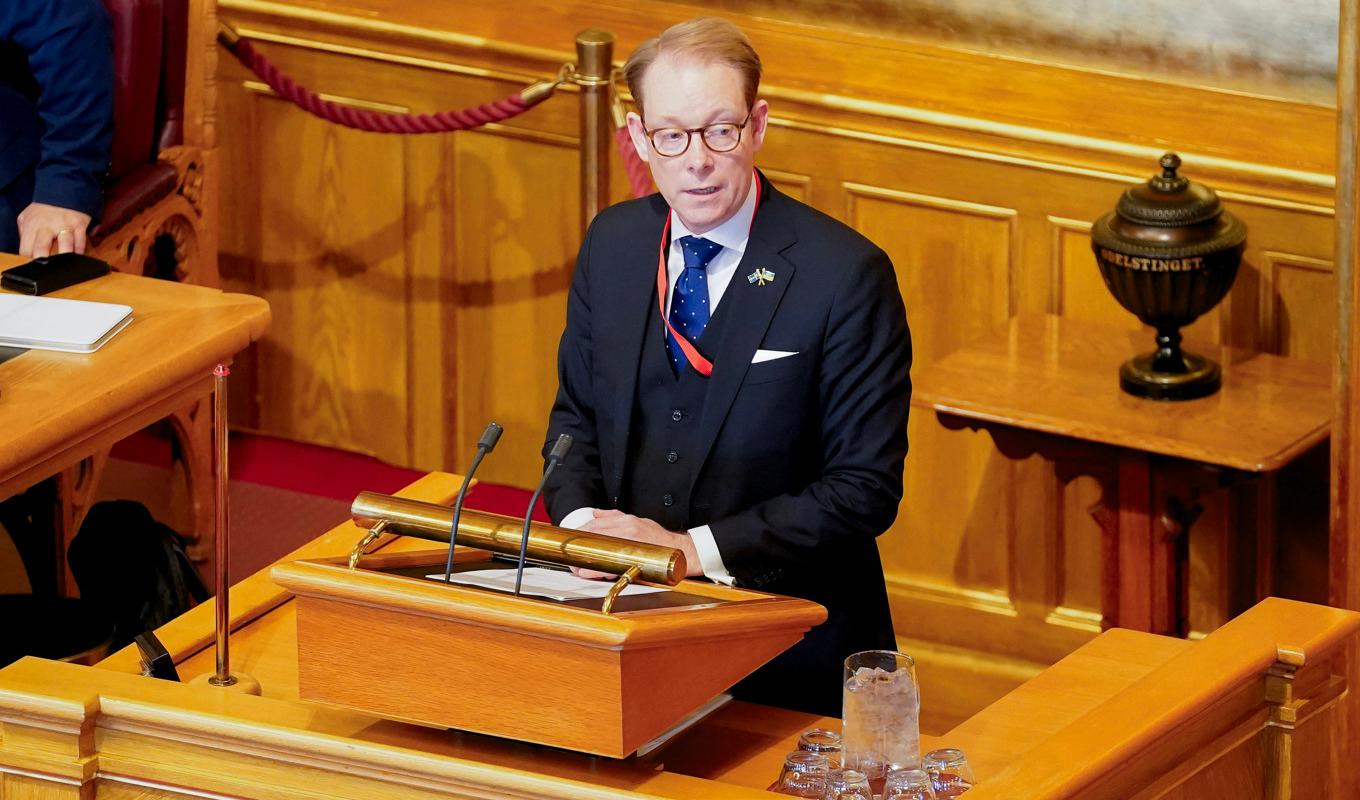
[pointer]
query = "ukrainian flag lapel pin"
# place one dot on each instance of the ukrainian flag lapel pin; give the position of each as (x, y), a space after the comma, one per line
(760, 277)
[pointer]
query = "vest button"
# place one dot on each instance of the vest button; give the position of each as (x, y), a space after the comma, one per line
(676, 415)
(672, 457)
(668, 500)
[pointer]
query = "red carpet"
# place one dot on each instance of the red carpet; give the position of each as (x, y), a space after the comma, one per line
(283, 493)
(320, 471)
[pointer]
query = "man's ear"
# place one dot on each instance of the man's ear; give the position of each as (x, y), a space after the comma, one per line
(760, 120)
(639, 136)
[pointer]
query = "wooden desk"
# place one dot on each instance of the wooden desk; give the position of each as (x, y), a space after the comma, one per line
(60, 412)
(1049, 385)
(1126, 711)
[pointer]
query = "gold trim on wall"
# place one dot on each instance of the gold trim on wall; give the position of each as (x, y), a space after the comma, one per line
(436, 65)
(1075, 618)
(288, 11)
(525, 134)
(940, 119)
(371, 105)
(998, 603)
(1275, 202)
(1030, 163)
(926, 201)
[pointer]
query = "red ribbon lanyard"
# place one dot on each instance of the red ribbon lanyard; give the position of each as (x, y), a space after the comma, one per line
(701, 365)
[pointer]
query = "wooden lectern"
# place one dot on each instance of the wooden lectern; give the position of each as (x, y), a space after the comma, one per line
(384, 639)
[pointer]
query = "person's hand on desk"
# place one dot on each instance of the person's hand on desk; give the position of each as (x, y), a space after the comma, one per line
(45, 230)
(611, 522)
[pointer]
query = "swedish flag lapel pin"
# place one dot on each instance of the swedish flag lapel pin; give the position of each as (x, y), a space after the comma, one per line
(760, 277)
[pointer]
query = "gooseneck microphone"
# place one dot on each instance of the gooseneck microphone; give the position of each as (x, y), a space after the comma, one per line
(490, 436)
(559, 452)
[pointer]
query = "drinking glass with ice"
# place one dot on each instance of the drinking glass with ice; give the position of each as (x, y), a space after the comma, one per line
(880, 713)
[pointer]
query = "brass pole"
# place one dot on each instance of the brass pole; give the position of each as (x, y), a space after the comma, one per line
(223, 675)
(594, 62)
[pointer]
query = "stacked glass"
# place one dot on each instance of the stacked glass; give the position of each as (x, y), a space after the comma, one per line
(908, 784)
(847, 784)
(949, 771)
(804, 775)
(821, 740)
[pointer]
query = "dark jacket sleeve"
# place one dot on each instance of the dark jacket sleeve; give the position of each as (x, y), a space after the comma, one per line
(577, 482)
(864, 391)
(70, 53)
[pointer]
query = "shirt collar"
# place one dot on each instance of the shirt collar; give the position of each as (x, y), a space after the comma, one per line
(734, 233)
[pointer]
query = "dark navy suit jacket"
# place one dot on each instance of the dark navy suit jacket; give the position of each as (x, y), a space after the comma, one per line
(56, 99)
(801, 457)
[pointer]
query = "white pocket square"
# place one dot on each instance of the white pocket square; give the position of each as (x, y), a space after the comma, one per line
(771, 355)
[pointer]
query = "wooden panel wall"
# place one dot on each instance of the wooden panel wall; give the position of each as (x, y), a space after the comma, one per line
(418, 283)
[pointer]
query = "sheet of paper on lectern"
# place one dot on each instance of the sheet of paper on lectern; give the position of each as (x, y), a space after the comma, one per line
(553, 584)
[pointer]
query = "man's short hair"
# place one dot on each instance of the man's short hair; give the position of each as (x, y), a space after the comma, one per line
(707, 39)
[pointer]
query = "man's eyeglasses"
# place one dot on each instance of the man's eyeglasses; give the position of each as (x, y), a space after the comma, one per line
(720, 137)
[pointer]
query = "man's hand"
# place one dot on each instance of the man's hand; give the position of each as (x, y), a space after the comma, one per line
(611, 522)
(45, 230)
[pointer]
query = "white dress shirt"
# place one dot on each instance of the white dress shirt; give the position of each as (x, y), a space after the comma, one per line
(733, 235)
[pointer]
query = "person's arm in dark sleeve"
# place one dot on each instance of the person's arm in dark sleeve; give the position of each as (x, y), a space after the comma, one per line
(577, 482)
(70, 53)
(865, 390)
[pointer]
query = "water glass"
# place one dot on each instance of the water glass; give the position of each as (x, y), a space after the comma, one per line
(949, 772)
(908, 784)
(847, 784)
(804, 775)
(880, 713)
(821, 740)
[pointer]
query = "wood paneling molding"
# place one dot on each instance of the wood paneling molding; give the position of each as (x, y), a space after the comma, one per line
(862, 73)
(1296, 286)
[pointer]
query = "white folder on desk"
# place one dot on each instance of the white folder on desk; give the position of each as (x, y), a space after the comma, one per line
(52, 323)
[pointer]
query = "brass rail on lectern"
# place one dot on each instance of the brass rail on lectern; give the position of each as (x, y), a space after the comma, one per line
(501, 534)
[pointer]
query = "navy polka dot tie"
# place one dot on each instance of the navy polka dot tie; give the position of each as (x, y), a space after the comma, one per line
(689, 301)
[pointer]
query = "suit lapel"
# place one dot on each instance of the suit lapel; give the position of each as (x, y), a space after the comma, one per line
(753, 307)
(637, 291)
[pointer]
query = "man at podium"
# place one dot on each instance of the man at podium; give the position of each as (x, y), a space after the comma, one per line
(734, 368)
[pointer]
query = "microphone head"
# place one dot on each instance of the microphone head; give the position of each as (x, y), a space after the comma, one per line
(560, 449)
(490, 436)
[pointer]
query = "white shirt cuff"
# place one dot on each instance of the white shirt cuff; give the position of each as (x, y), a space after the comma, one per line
(577, 518)
(709, 557)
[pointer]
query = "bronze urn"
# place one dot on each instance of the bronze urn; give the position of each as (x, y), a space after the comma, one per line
(1169, 252)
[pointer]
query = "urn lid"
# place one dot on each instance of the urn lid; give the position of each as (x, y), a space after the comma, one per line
(1170, 216)
(1168, 199)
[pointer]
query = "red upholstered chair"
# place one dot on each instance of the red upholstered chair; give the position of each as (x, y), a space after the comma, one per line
(158, 219)
(160, 206)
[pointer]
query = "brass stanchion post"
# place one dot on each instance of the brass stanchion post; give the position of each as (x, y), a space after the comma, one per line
(594, 62)
(220, 536)
(223, 676)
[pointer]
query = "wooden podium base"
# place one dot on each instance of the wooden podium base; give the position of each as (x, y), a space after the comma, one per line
(526, 668)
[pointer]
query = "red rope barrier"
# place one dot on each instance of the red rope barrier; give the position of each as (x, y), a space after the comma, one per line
(639, 177)
(374, 121)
